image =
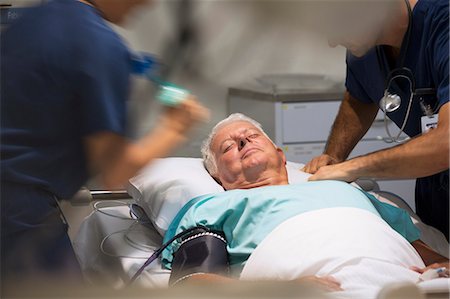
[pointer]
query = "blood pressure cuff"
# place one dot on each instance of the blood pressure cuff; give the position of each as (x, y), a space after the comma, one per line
(200, 253)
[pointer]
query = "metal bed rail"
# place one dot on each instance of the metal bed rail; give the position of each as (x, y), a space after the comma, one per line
(85, 196)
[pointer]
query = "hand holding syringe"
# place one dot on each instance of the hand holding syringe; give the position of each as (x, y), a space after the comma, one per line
(183, 110)
(169, 94)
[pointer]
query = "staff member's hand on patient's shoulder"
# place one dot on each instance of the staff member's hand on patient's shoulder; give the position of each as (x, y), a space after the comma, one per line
(344, 171)
(319, 161)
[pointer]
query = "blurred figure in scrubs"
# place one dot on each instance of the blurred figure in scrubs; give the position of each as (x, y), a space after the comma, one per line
(382, 37)
(65, 82)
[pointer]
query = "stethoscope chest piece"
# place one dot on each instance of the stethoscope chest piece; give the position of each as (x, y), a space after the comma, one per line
(390, 102)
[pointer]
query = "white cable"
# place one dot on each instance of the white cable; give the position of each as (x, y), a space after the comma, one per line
(121, 203)
(138, 245)
(106, 238)
(127, 238)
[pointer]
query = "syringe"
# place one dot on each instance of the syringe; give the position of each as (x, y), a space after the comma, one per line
(169, 93)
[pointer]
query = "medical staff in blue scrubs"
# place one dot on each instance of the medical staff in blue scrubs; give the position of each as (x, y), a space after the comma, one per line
(65, 82)
(414, 35)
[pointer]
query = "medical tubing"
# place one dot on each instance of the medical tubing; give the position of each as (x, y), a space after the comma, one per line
(126, 231)
(121, 204)
(137, 245)
(134, 244)
(134, 217)
(158, 252)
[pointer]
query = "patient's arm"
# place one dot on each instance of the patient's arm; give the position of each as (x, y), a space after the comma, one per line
(428, 255)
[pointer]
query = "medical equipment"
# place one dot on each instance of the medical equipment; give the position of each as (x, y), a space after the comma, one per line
(201, 253)
(137, 215)
(169, 94)
(158, 252)
(200, 239)
(196, 246)
(433, 273)
(390, 102)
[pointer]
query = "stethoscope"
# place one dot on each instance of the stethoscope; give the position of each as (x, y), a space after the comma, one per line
(390, 102)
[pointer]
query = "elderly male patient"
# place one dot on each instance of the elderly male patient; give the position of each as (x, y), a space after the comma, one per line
(259, 202)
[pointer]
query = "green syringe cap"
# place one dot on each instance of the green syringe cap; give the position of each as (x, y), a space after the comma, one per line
(171, 94)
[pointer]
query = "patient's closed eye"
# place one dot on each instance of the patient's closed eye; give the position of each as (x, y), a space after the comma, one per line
(228, 146)
(253, 136)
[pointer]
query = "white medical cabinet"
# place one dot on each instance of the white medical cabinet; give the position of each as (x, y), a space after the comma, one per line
(299, 121)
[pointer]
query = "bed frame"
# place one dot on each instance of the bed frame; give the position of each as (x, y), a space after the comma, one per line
(85, 196)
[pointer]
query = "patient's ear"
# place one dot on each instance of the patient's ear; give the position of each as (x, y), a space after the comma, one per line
(282, 155)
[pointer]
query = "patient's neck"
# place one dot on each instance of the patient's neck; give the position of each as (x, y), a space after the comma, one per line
(269, 181)
(266, 178)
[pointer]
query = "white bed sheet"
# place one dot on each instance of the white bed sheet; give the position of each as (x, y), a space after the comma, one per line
(359, 249)
(123, 257)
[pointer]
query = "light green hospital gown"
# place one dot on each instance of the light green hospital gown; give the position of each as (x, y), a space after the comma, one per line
(246, 217)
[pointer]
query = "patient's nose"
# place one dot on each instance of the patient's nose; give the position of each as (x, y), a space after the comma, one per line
(242, 143)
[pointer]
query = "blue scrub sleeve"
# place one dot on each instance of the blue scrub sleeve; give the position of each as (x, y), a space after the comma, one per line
(103, 88)
(441, 57)
(398, 219)
(352, 84)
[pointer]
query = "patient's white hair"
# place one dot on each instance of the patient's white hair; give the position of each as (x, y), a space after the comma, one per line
(209, 158)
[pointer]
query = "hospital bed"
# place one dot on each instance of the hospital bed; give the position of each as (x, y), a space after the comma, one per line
(112, 244)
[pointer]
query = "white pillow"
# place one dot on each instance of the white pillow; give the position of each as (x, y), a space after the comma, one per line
(166, 185)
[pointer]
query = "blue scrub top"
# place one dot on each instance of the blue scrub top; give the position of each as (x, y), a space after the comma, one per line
(427, 56)
(64, 76)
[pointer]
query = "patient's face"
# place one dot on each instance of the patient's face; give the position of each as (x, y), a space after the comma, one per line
(246, 158)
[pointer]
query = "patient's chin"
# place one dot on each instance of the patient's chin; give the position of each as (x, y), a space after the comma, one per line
(254, 165)
(254, 160)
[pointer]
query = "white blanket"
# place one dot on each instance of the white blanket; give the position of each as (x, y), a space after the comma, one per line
(355, 246)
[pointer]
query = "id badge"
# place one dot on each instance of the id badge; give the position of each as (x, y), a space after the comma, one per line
(429, 122)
